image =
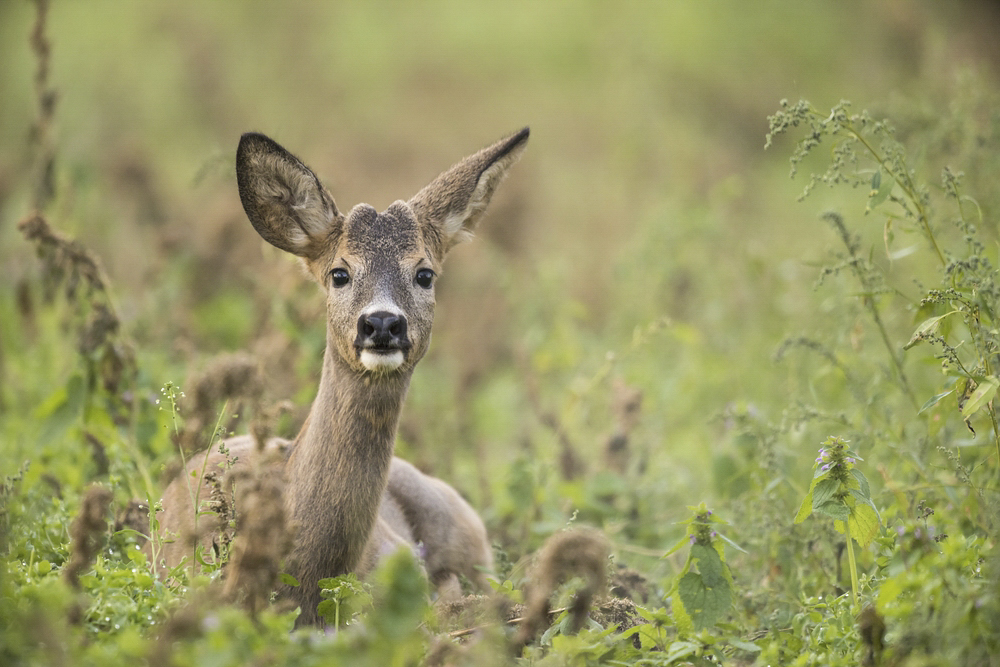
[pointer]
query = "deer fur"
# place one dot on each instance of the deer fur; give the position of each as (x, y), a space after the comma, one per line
(350, 499)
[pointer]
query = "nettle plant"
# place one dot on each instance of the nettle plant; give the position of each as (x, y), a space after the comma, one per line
(840, 491)
(703, 592)
(958, 317)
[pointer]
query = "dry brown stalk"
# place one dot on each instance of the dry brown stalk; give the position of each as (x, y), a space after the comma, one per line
(263, 536)
(228, 377)
(578, 552)
(87, 533)
(46, 97)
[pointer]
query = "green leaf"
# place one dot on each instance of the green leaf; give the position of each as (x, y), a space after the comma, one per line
(835, 509)
(328, 610)
(288, 579)
(681, 649)
(926, 327)
(705, 595)
(704, 603)
(683, 542)
(805, 509)
(749, 647)
(934, 400)
(709, 564)
(824, 491)
(864, 523)
(63, 407)
(731, 543)
(863, 487)
(881, 189)
(981, 396)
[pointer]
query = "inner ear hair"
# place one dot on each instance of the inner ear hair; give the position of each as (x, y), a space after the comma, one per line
(283, 198)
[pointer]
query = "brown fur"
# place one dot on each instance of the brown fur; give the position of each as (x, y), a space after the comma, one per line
(339, 471)
(451, 532)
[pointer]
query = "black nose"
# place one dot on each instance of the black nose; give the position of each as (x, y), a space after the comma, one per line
(381, 329)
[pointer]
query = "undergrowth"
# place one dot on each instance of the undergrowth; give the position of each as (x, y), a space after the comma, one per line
(880, 551)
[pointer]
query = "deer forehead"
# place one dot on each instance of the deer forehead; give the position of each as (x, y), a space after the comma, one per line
(376, 237)
(384, 246)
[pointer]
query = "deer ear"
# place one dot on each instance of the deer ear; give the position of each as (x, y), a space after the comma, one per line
(450, 207)
(284, 200)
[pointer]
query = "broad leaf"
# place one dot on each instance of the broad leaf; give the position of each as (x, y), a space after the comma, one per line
(981, 396)
(835, 509)
(704, 603)
(824, 491)
(863, 488)
(926, 327)
(864, 522)
(709, 564)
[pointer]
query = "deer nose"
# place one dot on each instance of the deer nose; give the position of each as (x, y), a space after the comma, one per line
(382, 329)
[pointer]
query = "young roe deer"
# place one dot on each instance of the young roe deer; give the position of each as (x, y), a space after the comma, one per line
(351, 500)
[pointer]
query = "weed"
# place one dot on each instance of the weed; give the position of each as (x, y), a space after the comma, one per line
(840, 491)
(88, 533)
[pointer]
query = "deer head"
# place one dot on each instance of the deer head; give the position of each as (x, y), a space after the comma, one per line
(377, 269)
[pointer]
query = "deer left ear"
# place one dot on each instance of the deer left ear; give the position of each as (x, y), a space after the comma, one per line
(450, 207)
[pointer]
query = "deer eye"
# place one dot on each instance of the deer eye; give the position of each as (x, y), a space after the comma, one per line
(340, 277)
(425, 278)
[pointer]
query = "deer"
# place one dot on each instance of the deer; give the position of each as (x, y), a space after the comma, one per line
(351, 500)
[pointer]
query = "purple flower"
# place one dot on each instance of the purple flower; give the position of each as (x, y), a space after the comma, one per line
(693, 539)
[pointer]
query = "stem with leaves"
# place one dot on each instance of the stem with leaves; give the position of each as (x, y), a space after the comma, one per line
(840, 490)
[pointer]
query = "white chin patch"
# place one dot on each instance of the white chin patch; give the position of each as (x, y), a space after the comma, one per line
(381, 362)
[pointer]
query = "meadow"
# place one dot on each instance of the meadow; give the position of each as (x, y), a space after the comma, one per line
(775, 397)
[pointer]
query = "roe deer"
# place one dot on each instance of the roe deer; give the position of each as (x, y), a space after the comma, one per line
(351, 500)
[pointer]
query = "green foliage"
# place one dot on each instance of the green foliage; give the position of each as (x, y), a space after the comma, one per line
(840, 491)
(703, 595)
(958, 316)
(344, 598)
(601, 353)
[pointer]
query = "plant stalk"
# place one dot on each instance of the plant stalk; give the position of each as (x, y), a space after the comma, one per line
(854, 566)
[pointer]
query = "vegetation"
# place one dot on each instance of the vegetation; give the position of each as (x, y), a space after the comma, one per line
(649, 327)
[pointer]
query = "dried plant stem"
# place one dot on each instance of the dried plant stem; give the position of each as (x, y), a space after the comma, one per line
(464, 632)
(46, 98)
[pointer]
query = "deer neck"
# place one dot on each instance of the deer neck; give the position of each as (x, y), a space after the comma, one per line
(338, 472)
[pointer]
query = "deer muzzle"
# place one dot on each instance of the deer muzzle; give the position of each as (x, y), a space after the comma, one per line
(382, 342)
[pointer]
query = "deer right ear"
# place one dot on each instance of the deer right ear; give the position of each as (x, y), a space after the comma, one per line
(284, 200)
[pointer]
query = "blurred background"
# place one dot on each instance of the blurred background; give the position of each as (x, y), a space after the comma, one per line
(626, 293)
